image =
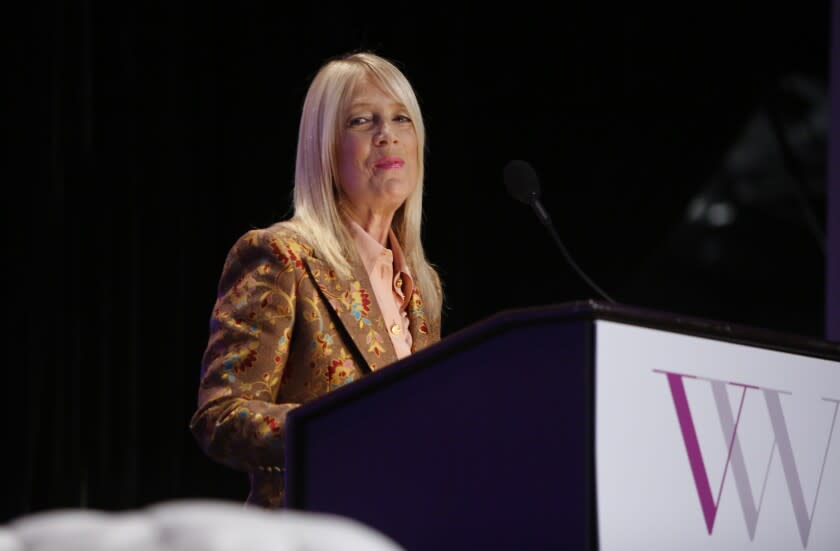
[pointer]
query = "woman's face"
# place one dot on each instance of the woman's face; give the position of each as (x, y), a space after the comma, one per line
(377, 152)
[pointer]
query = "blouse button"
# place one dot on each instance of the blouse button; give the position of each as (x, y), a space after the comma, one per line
(396, 329)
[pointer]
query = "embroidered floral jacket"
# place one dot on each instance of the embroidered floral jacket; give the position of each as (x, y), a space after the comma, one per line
(284, 330)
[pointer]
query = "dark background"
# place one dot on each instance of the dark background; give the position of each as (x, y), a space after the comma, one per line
(682, 153)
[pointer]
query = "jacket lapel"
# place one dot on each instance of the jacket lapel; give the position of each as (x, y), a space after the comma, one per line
(418, 325)
(355, 307)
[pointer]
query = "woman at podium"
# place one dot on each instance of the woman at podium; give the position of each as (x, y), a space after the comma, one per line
(342, 288)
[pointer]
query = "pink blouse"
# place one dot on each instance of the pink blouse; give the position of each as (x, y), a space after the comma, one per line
(391, 282)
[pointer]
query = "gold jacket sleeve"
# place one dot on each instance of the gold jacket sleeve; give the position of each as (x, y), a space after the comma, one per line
(238, 421)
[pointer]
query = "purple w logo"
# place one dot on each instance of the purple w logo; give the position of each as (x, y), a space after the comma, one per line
(735, 456)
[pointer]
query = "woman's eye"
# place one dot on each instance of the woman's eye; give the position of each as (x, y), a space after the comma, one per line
(373, 119)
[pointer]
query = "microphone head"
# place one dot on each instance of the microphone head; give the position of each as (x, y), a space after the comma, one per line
(522, 182)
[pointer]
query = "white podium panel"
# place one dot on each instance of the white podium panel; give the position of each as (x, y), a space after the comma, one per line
(703, 444)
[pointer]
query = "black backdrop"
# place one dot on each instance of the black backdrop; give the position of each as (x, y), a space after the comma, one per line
(147, 138)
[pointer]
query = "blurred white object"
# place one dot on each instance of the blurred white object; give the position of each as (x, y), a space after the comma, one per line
(84, 530)
(9, 541)
(191, 525)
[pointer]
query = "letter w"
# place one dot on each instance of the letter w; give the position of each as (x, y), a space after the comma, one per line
(735, 456)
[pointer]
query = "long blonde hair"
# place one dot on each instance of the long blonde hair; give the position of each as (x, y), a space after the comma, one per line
(317, 214)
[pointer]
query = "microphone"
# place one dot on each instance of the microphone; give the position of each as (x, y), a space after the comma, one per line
(523, 184)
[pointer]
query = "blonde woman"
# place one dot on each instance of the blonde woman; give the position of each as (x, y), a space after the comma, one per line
(339, 290)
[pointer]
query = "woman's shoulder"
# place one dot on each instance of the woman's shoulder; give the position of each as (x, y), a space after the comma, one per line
(281, 234)
(289, 234)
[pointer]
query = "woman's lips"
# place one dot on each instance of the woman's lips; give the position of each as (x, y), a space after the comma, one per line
(389, 162)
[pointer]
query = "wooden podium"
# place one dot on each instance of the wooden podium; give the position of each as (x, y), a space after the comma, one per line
(584, 425)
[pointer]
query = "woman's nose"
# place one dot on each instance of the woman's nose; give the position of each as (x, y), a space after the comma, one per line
(384, 135)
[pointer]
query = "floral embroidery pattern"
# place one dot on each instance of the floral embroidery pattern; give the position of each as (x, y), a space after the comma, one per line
(281, 349)
(322, 343)
(360, 304)
(269, 424)
(374, 341)
(415, 306)
(290, 257)
(237, 361)
(341, 370)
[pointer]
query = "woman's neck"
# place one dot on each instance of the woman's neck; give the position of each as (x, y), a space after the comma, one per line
(377, 225)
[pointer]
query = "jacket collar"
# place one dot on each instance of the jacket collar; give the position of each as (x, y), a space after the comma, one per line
(356, 308)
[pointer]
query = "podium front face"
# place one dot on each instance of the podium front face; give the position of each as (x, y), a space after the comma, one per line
(574, 427)
(484, 445)
(703, 444)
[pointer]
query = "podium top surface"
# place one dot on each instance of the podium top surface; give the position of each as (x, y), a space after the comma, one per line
(666, 321)
(583, 311)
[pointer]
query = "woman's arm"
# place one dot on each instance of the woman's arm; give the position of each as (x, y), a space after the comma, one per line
(238, 422)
